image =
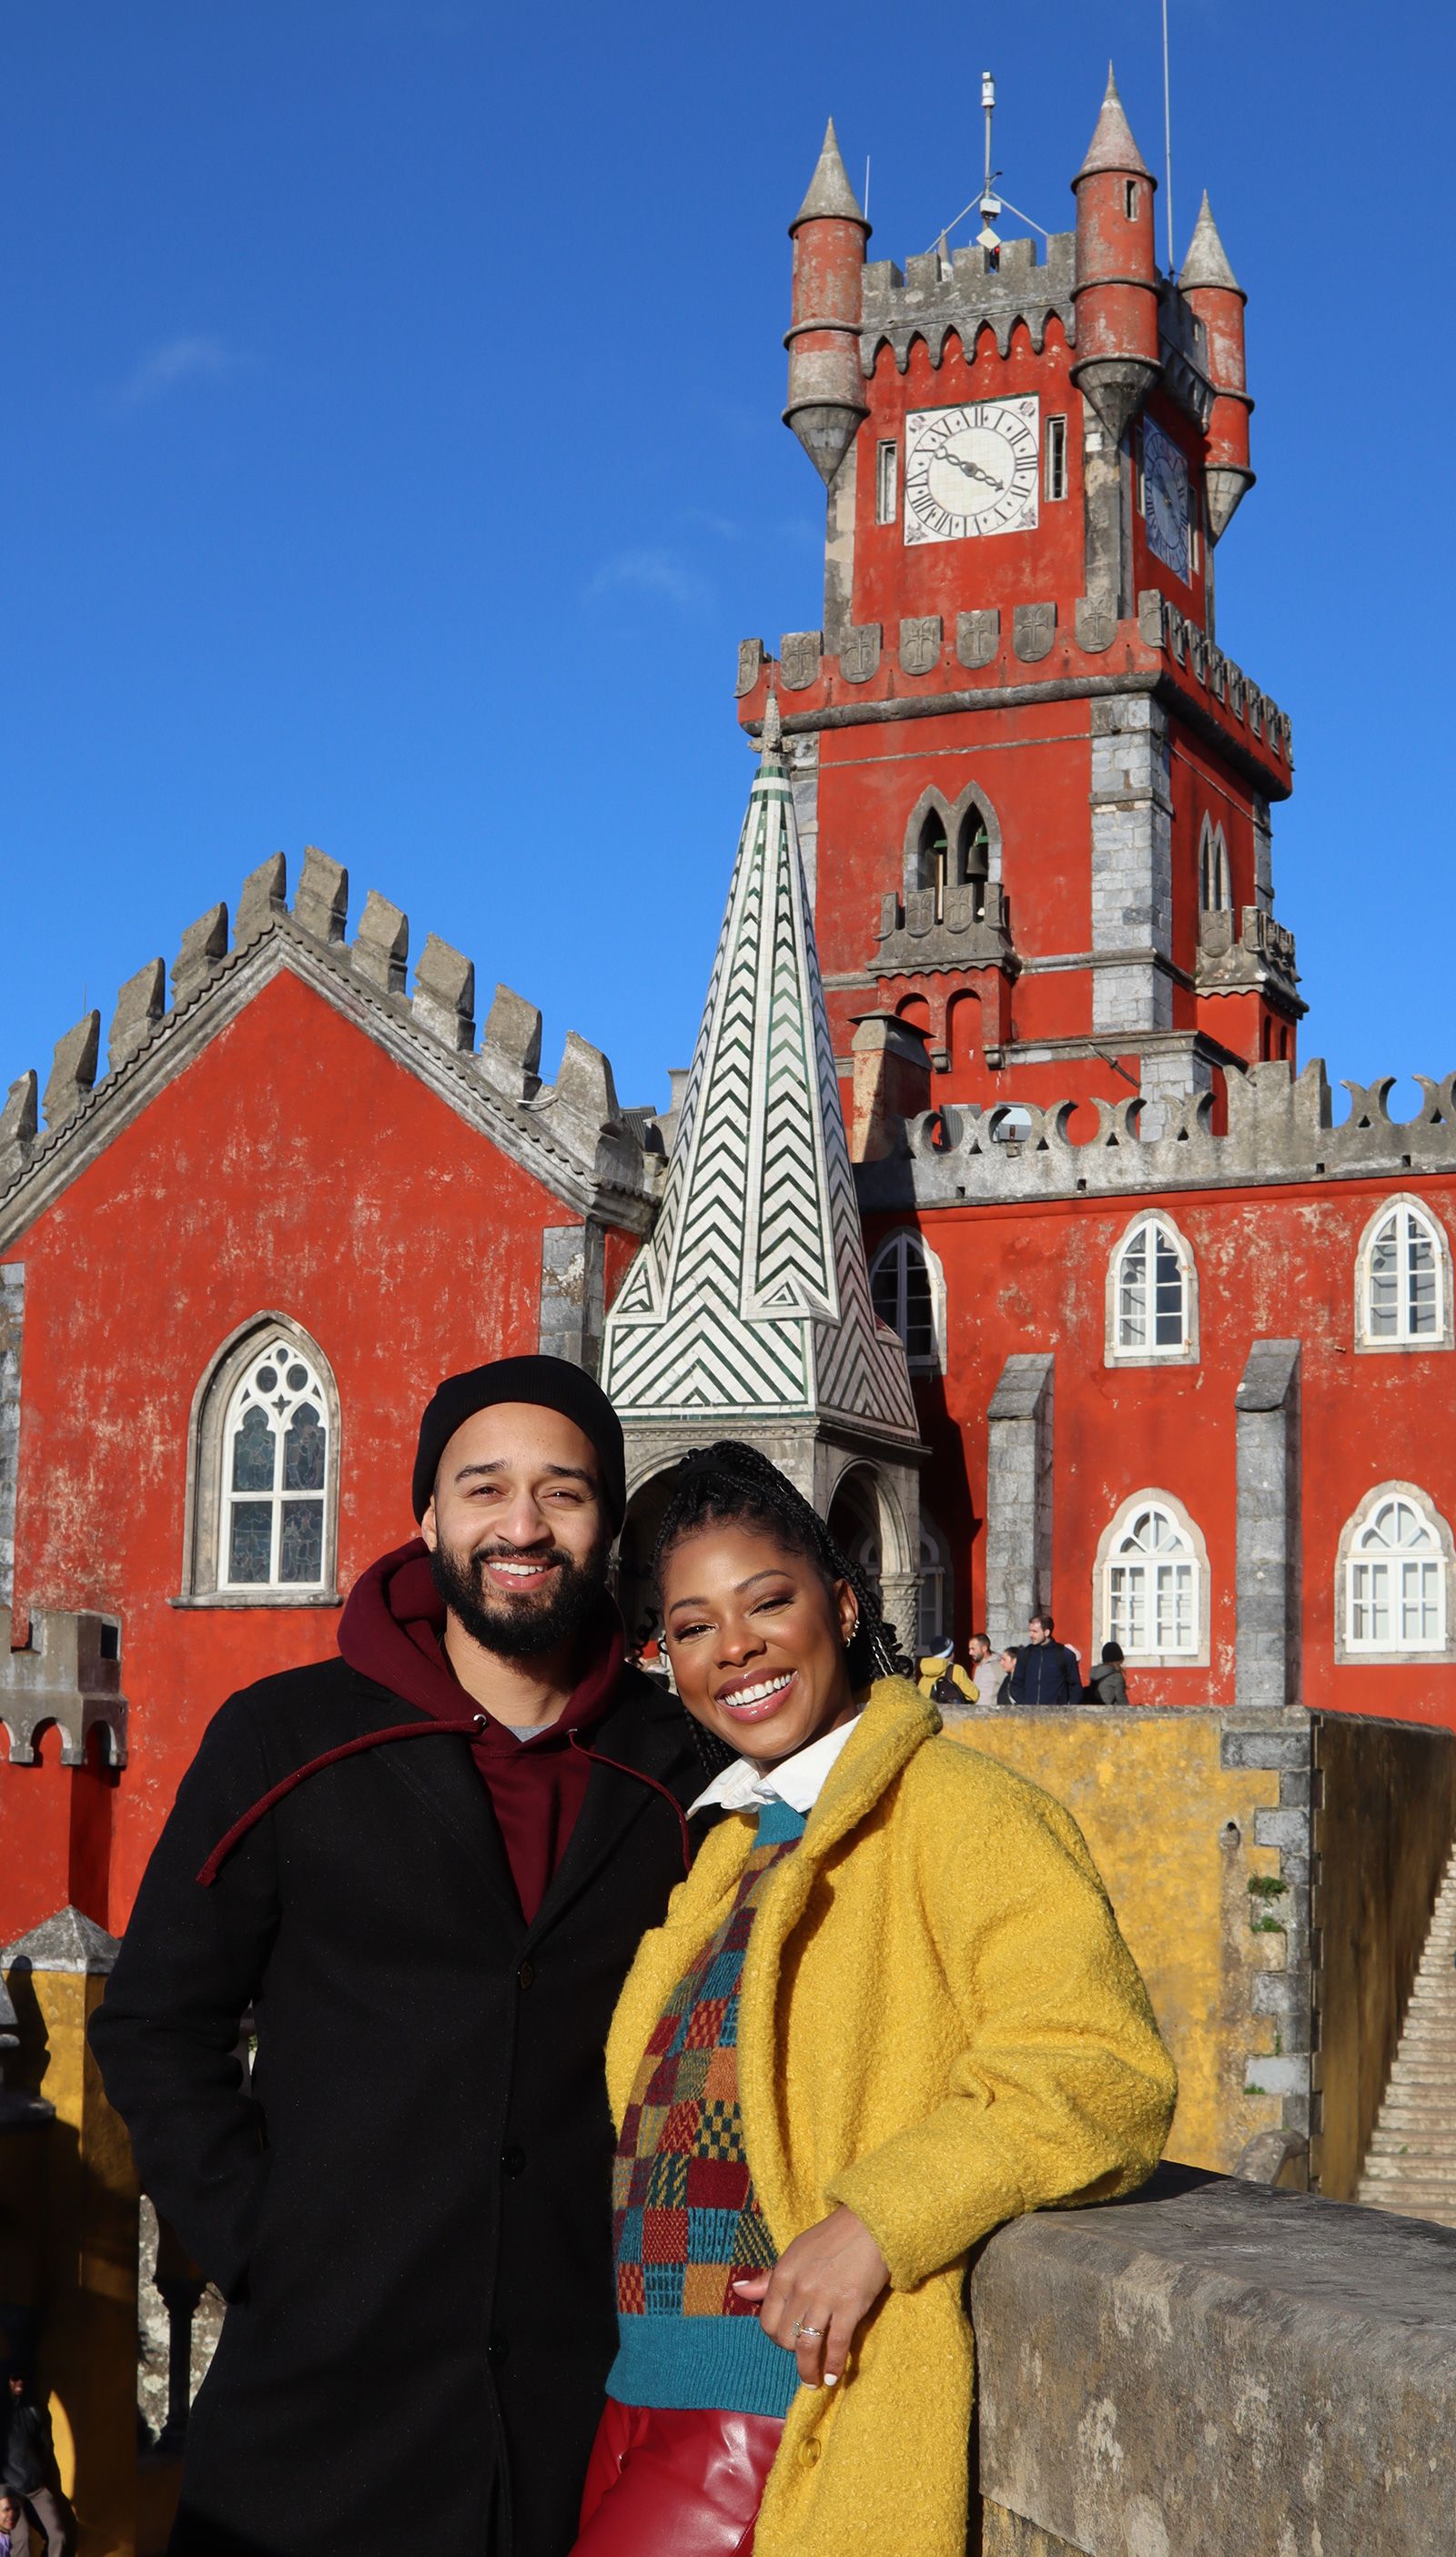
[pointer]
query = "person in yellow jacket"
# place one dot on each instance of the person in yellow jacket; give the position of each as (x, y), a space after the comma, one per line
(939, 1676)
(888, 2009)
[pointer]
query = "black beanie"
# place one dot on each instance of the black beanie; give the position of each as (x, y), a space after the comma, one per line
(552, 1383)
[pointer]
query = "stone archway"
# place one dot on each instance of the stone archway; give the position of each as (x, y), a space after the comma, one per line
(866, 1519)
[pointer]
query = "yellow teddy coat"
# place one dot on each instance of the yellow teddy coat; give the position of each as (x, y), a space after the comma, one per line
(939, 2025)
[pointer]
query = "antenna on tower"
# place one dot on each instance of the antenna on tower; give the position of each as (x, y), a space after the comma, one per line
(1168, 141)
(865, 198)
(991, 205)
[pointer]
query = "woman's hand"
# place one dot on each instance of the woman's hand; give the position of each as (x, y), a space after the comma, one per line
(824, 2285)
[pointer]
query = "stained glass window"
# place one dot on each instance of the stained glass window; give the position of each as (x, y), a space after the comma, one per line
(275, 1473)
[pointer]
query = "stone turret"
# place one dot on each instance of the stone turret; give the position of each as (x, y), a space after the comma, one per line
(825, 386)
(1212, 293)
(1117, 291)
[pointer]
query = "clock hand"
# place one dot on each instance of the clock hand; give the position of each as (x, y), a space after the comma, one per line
(971, 469)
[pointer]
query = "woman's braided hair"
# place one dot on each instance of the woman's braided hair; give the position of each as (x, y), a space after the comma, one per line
(733, 1483)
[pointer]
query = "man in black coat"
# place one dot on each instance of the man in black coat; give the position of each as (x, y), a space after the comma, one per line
(1046, 1671)
(423, 1868)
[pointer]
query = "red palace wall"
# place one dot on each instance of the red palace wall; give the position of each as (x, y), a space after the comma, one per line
(293, 1167)
(1275, 1263)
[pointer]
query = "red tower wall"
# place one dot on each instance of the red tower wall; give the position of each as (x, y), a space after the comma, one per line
(292, 1167)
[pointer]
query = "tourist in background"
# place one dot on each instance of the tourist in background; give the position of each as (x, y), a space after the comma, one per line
(1107, 1684)
(834, 2070)
(15, 2530)
(1046, 1671)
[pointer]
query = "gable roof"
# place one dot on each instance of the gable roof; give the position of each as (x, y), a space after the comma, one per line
(572, 1135)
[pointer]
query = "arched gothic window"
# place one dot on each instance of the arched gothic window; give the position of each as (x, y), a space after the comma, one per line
(1215, 890)
(264, 1480)
(1153, 1297)
(1397, 1560)
(907, 1290)
(1154, 1597)
(935, 1617)
(972, 858)
(1404, 1280)
(935, 858)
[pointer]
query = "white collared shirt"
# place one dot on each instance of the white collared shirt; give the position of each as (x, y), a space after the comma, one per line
(799, 1782)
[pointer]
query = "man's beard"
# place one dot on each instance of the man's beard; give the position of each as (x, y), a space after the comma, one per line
(523, 1627)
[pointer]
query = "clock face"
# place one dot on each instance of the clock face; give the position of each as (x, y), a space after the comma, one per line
(971, 469)
(1165, 499)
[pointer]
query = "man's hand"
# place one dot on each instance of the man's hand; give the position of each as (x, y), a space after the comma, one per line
(820, 2293)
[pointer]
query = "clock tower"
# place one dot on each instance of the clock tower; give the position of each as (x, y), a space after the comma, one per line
(1033, 791)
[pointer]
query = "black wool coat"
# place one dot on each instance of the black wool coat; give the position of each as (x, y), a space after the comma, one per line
(408, 2208)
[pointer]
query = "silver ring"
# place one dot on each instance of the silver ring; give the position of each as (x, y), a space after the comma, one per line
(801, 2330)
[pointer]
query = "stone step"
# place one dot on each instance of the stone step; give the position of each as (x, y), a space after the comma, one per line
(1399, 2149)
(1415, 2201)
(1415, 2187)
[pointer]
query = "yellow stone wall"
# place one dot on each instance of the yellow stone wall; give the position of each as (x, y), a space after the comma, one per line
(1172, 1832)
(84, 2219)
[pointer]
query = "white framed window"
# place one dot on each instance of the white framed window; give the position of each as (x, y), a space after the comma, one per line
(1056, 456)
(263, 1473)
(1394, 1579)
(907, 1291)
(1215, 885)
(1403, 1279)
(887, 482)
(1152, 1584)
(1151, 1316)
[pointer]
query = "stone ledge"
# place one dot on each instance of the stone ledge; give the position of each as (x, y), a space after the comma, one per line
(1215, 2365)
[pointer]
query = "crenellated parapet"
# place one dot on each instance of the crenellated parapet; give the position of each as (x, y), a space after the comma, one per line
(572, 1133)
(935, 299)
(1246, 953)
(937, 665)
(68, 1675)
(1281, 1129)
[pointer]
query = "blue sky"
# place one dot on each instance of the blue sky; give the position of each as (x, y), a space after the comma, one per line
(391, 457)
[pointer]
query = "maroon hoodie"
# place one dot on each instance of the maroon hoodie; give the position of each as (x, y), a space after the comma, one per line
(391, 1631)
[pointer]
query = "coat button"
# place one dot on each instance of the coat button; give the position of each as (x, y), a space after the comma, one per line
(526, 1974)
(512, 2161)
(810, 2452)
(497, 2349)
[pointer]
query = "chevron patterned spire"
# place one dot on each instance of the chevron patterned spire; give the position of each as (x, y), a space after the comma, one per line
(751, 1297)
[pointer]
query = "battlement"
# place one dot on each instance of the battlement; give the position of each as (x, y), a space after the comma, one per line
(933, 301)
(872, 678)
(1280, 1130)
(68, 1675)
(575, 1122)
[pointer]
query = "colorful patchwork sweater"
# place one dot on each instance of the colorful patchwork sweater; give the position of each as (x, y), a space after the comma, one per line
(687, 2219)
(940, 2026)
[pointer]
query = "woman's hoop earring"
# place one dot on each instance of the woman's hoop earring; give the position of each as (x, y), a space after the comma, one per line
(849, 1636)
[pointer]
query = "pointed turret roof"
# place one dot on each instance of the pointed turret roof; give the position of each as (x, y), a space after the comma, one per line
(752, 1298)
(1111, 145)
(831, 196)
(1207, 261)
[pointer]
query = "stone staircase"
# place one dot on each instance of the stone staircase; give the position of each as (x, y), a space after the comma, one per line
(1412, 2164)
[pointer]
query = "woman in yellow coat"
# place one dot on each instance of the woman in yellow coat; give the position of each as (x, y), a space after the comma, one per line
(888, 2009)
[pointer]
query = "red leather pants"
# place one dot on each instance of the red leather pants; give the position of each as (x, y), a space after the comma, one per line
(668, 2482)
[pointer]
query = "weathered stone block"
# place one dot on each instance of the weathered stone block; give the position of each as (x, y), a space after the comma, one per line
(204, 944)
(18, 1120)
(381, 946)
(263, 898)
(445, 995)
(510, 1048)
(139, 1007)
(320, 905)
(73, 1069)
(1220, 2368)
